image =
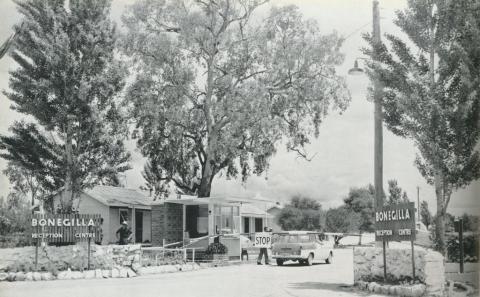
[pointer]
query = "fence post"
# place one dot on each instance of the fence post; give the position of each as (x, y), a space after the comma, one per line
(193, 255)
(141, 256)
(185, 255)
(163, 248)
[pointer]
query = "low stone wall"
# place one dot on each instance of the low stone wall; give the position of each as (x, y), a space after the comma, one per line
(429, 267)
(74, 257)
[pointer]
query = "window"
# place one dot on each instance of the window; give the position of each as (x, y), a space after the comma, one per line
(123, 214)
(227, 219)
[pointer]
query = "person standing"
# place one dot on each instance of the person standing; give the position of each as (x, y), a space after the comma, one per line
(123, 234)
(263, 251)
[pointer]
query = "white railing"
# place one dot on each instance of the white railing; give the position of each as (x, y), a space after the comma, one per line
(155, 256)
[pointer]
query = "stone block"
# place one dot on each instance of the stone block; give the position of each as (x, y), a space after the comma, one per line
(47, 276)
(89, 274)
(29, 276)
(384, 289)
(418, 290)
(37, 276)
(371, 286)
(77, 275)
(123, 272)
(106, 273)
(392, 290)
(11, 276)
(3, 276)
(65, 275)
(20, 276)
(115, 273)
(98, 273)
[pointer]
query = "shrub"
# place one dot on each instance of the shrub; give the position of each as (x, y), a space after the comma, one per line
(216, 248)
(470, 248)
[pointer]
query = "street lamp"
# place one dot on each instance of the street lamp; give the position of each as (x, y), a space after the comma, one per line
(356, 70)
(378, 113)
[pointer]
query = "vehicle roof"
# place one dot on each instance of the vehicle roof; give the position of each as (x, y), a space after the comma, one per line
(297, 232)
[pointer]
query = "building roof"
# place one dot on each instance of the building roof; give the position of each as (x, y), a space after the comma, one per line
(253, 211)
(122, 197)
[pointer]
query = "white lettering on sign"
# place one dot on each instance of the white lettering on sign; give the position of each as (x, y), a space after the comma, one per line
(392, 215)
(404, 232)
(84, 235)
(384, 232)
(62, 222)
(47, 235)
(263, 240)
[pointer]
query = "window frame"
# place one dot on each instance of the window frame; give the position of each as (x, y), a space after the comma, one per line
(120, 210)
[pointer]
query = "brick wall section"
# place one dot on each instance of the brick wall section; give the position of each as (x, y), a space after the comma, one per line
(157, 224)
(167, 223)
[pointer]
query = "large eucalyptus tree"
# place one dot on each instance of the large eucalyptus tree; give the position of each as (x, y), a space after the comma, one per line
(217, 85)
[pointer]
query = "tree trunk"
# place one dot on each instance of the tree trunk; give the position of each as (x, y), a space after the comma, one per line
(207, 178)
(440, 219)
(67, 199)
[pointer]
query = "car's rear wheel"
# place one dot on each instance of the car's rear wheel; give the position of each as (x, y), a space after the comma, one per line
(329, 260)
(310, 260)
(279, 262)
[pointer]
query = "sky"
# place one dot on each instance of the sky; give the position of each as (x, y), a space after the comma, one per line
(344, 149)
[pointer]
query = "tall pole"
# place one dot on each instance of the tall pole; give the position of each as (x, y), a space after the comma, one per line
(378, 117)
(378, 129)
(418, 203)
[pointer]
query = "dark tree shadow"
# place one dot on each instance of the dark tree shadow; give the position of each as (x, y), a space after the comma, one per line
(334, 287)
(296, 264)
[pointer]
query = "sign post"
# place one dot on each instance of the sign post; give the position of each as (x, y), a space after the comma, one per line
(395, 223)
(36, 255)
(88, 249)
(458, 223)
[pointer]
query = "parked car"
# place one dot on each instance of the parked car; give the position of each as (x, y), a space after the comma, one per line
(303, 246)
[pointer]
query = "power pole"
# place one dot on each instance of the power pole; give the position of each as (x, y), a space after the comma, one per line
(418, 202)
(378, 117)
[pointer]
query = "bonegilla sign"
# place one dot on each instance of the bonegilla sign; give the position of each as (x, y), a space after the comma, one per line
(395, 222)
(66, 228)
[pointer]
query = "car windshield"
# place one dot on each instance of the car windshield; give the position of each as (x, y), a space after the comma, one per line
(294, 238)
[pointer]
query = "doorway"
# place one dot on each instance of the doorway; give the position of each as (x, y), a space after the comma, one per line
(258, 225)
(138, 226)
(246, 225)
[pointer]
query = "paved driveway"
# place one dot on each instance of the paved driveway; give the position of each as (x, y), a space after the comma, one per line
(239, 280)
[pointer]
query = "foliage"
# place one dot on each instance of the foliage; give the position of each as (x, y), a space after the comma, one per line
(15, 214)
(470, 248)
(395, 194)
(362, 202)
(17, 239)
(342, 220)
(302, 214)
(217, 87)
(67, 81)
(155, 183)
(425, 214)
(432, 91)
(216, 248)
(470, 222)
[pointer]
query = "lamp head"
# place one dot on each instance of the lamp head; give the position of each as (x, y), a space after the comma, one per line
(356, 70)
